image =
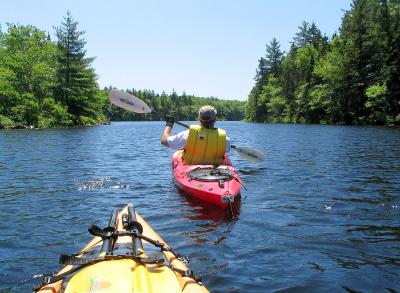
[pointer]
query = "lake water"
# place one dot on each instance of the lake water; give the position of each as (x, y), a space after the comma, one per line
(321, 214)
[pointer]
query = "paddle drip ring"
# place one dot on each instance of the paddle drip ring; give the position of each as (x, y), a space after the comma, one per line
(210, 174)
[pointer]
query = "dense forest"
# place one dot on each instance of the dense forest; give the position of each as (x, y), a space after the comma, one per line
(351, 78)
(52, 84)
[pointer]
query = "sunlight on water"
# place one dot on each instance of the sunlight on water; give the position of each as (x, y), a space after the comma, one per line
(102, 183)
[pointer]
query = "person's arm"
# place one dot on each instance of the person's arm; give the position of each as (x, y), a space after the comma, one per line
(169, 123)
(165, 135)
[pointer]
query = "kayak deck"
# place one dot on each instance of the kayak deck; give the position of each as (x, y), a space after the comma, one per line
(123, 270)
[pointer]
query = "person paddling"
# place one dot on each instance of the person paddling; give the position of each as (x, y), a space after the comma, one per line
(201, 144)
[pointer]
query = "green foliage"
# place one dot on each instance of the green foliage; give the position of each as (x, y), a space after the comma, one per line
(251, 105)
(376, 104)
(84, 120)
(272, 100)
(5, 122)
(397, 119)
(352, 78)
(27, 62)
(53, 114)
(329, 68)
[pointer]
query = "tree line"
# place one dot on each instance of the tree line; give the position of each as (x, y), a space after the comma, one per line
(351, 78)
(182, 107)
(45, 83)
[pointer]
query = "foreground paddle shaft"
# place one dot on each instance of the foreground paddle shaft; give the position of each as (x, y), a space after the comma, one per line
(137, 245)
(109, 242)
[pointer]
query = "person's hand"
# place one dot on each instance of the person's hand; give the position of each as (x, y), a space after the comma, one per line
(169, 120)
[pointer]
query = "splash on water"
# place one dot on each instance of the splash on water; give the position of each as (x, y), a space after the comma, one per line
(102, 183)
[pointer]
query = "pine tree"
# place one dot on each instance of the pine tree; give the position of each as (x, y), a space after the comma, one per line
(301, 38)
(274, 57)
(364, 58)
(309, 35)
(270, 64)
(77, 86)
(261, 71)
(392, 69)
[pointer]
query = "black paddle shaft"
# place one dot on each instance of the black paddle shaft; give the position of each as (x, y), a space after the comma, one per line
(108, 243)
(136, 241)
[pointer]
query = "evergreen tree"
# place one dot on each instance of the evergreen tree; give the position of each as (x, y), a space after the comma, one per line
(271, 64)
(257, 114)
(309, 35)
(251, 105)
(273, 58)
(77, 86)
(271, 69)
(363, 54)
(261, 71)
(392, 68)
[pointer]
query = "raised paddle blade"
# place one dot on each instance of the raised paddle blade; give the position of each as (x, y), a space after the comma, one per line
(250, 154)
(128, 102)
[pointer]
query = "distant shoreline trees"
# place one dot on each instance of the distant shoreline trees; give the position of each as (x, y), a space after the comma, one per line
(182, 107)
(353, 78)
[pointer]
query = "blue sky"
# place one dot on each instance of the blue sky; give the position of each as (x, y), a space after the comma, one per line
(206, 48)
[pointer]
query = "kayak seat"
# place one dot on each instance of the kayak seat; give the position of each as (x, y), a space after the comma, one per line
(210, 174)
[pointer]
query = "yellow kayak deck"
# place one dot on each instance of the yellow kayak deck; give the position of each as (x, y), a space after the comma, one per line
(120, 272)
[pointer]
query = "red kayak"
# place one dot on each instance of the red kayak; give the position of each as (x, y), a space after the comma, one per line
(219, 185)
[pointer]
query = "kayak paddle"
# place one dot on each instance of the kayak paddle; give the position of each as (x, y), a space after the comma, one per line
(134, 104)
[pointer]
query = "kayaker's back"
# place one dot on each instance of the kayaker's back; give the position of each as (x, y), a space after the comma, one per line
(204, 146)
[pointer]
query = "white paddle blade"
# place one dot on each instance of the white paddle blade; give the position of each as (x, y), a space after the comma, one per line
(250, 154)
(128, 102)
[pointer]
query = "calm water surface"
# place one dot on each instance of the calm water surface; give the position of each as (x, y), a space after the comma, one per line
(321, 214)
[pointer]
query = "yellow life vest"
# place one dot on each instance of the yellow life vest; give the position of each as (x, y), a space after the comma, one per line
(204, 146)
